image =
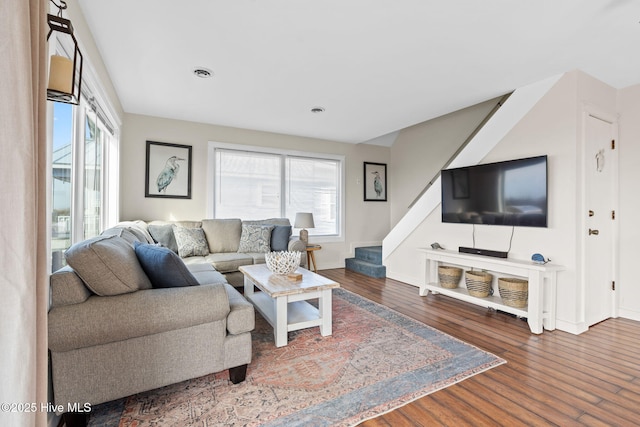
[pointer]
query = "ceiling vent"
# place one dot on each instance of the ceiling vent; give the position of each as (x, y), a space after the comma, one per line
(203, 73)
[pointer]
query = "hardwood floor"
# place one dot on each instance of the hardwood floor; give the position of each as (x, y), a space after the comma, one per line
(555, 378)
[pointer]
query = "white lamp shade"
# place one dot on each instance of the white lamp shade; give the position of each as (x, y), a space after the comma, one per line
(304, 220)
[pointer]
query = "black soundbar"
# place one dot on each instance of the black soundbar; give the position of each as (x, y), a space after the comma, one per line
(484, 252)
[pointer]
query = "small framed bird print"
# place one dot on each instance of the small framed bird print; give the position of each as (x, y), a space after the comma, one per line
(375, 182)
(168, 170)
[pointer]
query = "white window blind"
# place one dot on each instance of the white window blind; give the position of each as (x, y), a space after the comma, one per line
(258, 185)
(248, 185)
(312, 186)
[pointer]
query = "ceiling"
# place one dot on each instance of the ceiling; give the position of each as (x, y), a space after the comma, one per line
(375, 66)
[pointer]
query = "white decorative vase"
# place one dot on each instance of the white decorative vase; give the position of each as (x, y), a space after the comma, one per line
(282, 263)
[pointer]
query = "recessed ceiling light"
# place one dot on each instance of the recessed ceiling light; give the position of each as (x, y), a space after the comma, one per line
(317, 110)
(203, 73)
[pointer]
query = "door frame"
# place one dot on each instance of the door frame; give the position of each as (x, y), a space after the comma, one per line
(589, 110)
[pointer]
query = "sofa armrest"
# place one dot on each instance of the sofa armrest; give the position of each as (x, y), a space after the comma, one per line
(295, 244)
(67, 287)
(106, 319)
(241, 319)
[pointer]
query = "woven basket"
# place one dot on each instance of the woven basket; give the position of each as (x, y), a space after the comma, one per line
(449, 276)
(478, 283)
(514, 292)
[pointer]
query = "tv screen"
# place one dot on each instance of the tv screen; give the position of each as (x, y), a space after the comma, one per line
(510, 193)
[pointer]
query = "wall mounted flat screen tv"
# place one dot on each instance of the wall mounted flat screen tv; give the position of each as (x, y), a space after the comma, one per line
(512, 193)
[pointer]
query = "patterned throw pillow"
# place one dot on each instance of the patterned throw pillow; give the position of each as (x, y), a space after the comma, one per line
(255, 238)
(190, 241)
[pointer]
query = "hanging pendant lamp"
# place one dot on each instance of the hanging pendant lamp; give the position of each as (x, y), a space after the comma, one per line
(65, 72)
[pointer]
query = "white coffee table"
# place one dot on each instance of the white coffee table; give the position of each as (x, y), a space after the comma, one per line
(284, 303)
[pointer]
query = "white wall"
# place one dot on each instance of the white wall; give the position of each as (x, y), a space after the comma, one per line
(366, 222)
(553, 127)
(629, 215)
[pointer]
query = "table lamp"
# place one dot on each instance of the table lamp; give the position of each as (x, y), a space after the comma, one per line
(304, 220)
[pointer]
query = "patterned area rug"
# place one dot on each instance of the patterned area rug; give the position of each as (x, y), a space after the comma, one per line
(375, 361)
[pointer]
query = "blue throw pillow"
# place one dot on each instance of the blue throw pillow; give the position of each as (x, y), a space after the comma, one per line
(280, 237)
(164, 268)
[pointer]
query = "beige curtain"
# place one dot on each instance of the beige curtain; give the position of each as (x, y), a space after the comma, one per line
(23, 213)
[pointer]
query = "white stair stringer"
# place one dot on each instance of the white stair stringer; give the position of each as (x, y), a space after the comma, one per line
(521, 101)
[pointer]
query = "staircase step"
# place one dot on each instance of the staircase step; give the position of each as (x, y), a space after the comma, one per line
(372, 254)
(364, 267)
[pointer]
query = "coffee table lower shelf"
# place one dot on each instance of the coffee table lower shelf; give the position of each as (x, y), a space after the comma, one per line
(300, 314)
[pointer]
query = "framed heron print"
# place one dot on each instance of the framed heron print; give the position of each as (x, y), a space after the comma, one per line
(375, 182)
(168, 170)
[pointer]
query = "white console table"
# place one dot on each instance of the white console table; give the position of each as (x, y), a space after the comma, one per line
(540, 311)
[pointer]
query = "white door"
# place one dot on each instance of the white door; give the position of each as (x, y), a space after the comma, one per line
(600, 183)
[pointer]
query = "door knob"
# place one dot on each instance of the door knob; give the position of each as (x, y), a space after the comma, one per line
(594, 232)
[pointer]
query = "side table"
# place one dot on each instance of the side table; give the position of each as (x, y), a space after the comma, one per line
(311, 257)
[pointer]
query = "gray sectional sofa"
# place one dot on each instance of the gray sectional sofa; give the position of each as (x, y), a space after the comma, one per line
(134, 311)
(227, 244)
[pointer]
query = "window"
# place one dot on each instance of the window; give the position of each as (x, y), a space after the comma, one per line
(254, 183)
(313, 186)
(248, 185)
(84, 164)
(61, 196)
(78, 185)
(93, 165)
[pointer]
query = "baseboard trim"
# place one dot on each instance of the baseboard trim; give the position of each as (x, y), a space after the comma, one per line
(410, 280)
(570, 327)
(629, 314)
(331, 266)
